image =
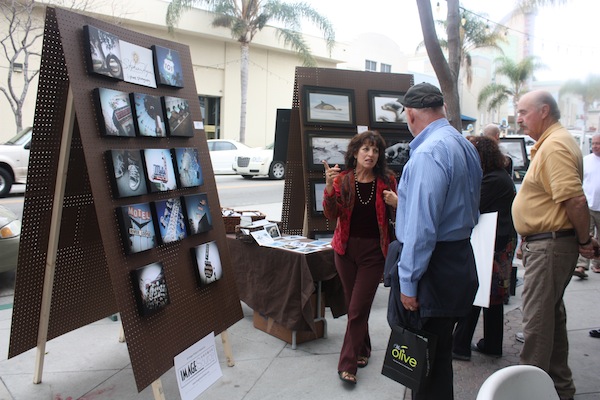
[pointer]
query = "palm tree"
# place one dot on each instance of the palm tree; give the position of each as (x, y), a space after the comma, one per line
(518, 74)
(588, 90)
(474, 33)
(446, 70)
(245, 18)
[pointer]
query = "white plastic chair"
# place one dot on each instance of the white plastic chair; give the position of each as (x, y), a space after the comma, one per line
(518, 382)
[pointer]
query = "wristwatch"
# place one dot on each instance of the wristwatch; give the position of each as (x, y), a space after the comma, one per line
(586, 243)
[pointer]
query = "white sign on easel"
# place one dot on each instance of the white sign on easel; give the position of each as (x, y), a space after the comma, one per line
(483, 240)
(197, 368)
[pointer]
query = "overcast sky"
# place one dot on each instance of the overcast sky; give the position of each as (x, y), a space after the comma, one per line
(566, 38)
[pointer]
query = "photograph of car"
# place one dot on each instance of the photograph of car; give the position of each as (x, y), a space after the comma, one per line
(14, 159)
(10, 234)
(223, 153)
(259, 161)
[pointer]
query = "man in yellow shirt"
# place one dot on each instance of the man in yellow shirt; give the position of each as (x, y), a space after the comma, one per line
(551, 214)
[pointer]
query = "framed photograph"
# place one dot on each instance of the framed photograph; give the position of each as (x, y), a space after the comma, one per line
(516, 150)
(138, 64)
(189, 171)
(208, 263)
(317, 187)
(397, 151)
(168, 66)
(114, 111)
(137, 227)
(328, 106)
(149, 115)
(150, 287)
(170, 219)
(179, 118)
(103, 52)
(128, 174)
(330, 147)
(273, 230)
(197, 212)
(385, 109)
(159, 170)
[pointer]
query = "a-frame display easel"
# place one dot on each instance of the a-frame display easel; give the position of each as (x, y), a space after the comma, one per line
(73, 268)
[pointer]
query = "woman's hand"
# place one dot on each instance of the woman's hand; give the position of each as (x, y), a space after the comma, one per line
(330, 174)
(390, 198)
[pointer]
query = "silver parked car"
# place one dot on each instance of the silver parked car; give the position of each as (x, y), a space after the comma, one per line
(10, 235)
(14, 160)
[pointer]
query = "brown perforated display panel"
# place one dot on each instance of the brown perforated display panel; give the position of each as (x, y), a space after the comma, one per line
(296, 195)
(92, 270)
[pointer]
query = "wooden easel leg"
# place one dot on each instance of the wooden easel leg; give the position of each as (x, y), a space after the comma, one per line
(157, 390)
(57, 206)
(227, 348)
(121, 334)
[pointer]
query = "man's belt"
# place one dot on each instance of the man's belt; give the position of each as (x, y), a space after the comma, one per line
(549, 235)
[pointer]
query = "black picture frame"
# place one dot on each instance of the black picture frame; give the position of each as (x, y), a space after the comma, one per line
(317, 188)
(137, 227)
(160, 172)
(329, 106)
(103, 52)
(385, 110)
(197, 212)
(167, 63)
(397, 150)
(170, 220)
(326, 146)
(179, 118)
(207, 262)
(189, 170)
(150, 288)
(149, 115)
(128, 176)
(516, 150)
(114, 112)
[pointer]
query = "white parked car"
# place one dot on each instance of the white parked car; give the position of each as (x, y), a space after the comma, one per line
(223, 153)
(14, 160)
(259, 161)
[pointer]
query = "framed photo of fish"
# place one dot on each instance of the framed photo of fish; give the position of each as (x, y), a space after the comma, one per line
(397, 150)
(385, 110)
(329, 147)
(329, 106)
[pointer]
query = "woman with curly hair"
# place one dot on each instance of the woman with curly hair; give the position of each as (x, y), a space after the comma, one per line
(356, 198)
(497, 194)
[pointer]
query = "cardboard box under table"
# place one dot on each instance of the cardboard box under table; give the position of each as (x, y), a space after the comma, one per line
(282, 287)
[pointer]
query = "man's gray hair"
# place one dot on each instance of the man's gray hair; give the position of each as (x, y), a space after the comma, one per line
(548, 99)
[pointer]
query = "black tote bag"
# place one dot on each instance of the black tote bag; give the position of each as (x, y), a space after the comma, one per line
(408, 357)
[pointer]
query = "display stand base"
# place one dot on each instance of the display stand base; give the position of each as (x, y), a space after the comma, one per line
(268, 325)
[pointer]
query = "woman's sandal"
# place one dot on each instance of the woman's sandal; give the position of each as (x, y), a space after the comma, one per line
(362, 362)
(347, 377)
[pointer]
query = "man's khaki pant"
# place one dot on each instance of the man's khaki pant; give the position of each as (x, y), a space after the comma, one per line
(549, 265)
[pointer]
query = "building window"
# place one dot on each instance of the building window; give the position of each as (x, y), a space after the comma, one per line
(370, 65)
(211, 113)
(386, 67)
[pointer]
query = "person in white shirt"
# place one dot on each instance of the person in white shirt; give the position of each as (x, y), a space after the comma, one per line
(591, 188)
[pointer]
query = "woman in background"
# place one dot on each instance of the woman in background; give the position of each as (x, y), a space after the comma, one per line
(497, 194)
(355, 198)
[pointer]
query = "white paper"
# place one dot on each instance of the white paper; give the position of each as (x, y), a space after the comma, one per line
(483, 240)
(198, 125)
(197, 368)
(361, 128)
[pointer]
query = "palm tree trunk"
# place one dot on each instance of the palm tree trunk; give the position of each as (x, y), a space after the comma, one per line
(245, 49)
(446, 76)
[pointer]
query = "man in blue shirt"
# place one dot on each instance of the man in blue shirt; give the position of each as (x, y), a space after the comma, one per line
(438, 206)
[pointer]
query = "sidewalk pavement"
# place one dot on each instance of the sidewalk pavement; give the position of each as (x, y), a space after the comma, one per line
(90, 363)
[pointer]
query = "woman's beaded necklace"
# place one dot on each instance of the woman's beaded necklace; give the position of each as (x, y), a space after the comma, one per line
(364, 203)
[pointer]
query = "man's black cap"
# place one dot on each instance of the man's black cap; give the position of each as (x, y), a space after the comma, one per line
(423, 95)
